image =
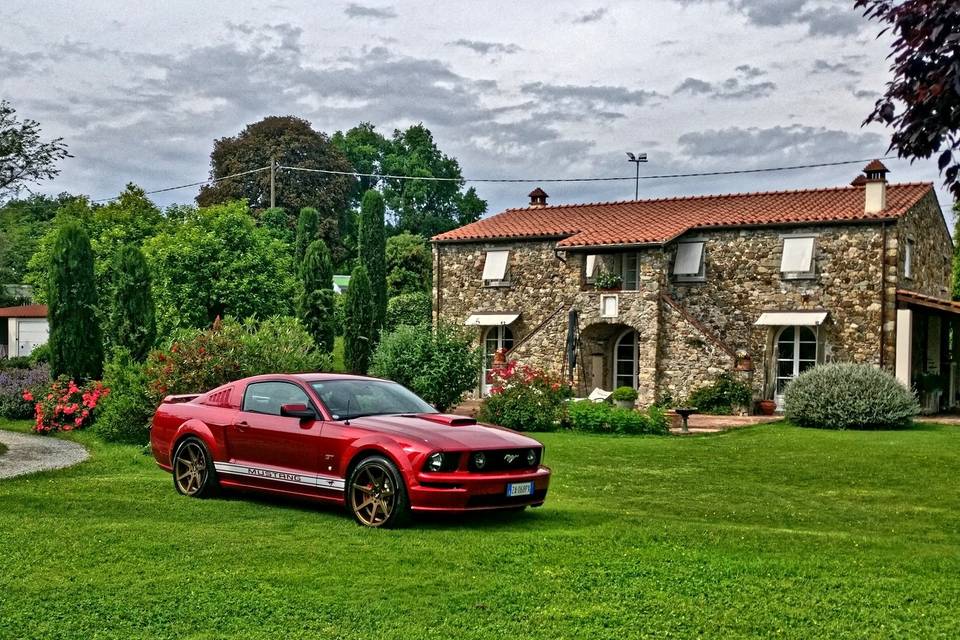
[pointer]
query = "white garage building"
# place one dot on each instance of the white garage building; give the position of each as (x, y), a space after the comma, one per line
(22, 329)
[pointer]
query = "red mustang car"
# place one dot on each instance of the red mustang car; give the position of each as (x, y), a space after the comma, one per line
(369, 444)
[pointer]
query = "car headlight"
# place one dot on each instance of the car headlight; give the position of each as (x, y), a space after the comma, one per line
(479, 460)
(435, 462)
(531, 457)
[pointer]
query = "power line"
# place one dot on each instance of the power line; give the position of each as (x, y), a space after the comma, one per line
(192, 184)
(387, 176)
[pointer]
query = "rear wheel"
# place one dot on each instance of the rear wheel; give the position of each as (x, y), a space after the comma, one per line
(193, 472)
(376, 495)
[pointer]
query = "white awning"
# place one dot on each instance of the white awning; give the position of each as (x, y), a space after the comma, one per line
(491, 319)
(791, 319)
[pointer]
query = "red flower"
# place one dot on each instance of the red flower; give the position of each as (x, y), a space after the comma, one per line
(28, 396)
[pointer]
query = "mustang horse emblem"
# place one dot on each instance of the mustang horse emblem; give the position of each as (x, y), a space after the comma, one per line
(510, 457)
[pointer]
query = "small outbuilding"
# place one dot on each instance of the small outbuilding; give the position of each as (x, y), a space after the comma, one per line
(23, 329)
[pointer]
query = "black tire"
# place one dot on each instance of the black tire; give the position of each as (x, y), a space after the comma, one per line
(375, 494)
(193, 473)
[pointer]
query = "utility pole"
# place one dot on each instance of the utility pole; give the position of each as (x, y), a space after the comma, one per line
(637, 159)
(273, 182)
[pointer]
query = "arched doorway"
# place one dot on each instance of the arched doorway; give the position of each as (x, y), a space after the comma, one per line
(796, 352)
(625, 360)
(495, 338)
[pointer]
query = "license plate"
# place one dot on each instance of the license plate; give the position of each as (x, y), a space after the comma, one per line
(520, 489)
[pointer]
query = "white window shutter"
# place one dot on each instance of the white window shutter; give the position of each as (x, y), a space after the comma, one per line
(908, 259)
(797, 255)
(591, 265)
(689, 259)
(495, 266)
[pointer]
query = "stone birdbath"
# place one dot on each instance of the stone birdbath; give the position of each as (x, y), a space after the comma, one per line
(685, 413)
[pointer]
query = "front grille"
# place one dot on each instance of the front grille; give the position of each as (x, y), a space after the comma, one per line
(503, 500)
(504, 460)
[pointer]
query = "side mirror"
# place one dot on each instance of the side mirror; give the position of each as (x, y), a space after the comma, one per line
(301, 411)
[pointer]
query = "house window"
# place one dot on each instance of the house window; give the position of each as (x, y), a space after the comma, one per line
(590, 267)
(689, 263)
(796, 352)
(495, 267)
(627, 266)
(609, 306)
(496, 338)
(797, 260)
(908, 259)
(625, 360)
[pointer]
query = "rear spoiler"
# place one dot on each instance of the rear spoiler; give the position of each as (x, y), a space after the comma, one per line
(186, 397)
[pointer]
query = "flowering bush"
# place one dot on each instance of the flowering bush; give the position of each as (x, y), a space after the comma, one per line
(524, 398)
(64, 406)
(13, 383)
(600, 417)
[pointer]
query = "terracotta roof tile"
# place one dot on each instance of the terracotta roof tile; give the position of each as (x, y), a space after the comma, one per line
(661, 220)
(24, 311)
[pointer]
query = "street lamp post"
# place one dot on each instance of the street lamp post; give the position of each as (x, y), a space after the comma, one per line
(637, 159)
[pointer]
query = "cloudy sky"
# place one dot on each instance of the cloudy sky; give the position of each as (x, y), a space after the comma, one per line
(518, 89)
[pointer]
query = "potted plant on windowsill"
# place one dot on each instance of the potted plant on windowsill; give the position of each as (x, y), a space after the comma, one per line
(624, 397)
(607, 281)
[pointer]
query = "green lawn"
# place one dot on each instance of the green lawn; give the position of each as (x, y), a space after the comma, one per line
(338, 355)
(769, 531)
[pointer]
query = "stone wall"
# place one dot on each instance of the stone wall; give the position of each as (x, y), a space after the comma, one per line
(743, 280)
(933, 249)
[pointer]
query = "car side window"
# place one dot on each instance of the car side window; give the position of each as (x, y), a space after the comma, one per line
(268, 397)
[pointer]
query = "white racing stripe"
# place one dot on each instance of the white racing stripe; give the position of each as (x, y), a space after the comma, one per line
(305, 479)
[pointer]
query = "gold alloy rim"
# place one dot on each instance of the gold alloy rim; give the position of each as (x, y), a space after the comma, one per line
(373, 495)
(190, 468)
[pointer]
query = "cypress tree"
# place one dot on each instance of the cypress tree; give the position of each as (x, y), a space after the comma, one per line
(372, 247)
(76, 345)
(317, 299)
(308, 228)
(358, 321)
(133, 323)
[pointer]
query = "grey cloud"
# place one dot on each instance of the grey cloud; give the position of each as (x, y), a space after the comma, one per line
(354, 10)
(590, 16)
(735, 88)
(820, 17)
(486, 48)
(579, 102)
(778, 144)
(842, 68)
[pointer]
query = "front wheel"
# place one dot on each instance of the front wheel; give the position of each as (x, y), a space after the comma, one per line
(376, 495)
(193, 473)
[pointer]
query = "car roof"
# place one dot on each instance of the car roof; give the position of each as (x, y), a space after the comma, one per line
(310, 377)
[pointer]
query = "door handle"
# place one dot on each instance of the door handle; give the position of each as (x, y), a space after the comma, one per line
(243, 425)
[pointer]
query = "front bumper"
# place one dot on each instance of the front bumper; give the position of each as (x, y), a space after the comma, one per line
(465, 491)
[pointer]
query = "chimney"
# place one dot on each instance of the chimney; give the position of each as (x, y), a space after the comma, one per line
(538, 198)
(875, 192)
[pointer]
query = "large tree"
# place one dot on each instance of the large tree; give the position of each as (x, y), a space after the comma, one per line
(133, 322)
(372, 248)
(409, 264)
(922, 101)
(24, 157)
(425, 207)
(358, 331)
(76, 346)
(22, 224)
(289, 141)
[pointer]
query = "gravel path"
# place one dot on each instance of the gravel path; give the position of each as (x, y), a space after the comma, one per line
(29, 454)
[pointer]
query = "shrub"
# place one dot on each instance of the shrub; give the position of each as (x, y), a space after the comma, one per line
(64, 406)
(13, 384)
(600, 417)
(133, 322)
(438, 366)
(413, 309)
(124, 414)
(372, 247)
(41, 354)
(626, 394)
(76, 347)
(358, 331)
(316, 302)
(849, 396)
(721, 397)
(524, 398)
(409, 264)
(197, 361)
(18, 362)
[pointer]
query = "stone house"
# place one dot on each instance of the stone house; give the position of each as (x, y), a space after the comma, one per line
(665, 295)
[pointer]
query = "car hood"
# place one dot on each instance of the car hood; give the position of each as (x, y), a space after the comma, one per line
(443, 431)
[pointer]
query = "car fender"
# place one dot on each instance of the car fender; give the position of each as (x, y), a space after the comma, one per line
(380, 444)
(200, 429)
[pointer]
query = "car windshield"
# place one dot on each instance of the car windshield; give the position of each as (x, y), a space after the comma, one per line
(348, 399)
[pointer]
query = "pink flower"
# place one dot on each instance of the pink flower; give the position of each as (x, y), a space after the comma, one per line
(28, 396)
